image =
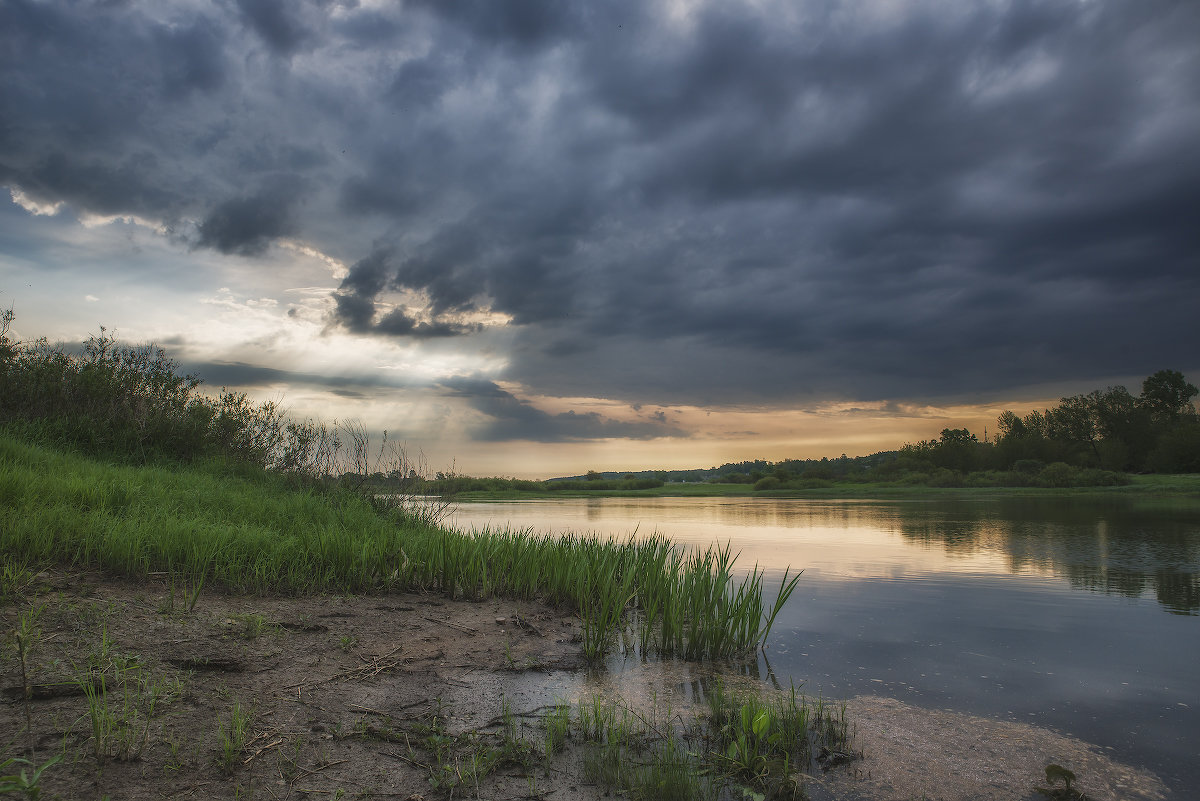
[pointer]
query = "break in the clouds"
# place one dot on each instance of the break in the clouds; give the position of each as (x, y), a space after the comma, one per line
(678, 202)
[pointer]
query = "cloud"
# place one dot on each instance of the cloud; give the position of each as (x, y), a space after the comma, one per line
(192, 55)
(703, 203)
(398, 323)
(532, 23)
(274, 22)
(245, 226)
(246, 375)
(355, 303)
(510, 418)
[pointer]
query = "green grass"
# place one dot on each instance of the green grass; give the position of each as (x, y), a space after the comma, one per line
(122, 699)
(249, 532)
(24, 781)
(233, 738)
(1187, 483)
(255, 531)
(744, 745)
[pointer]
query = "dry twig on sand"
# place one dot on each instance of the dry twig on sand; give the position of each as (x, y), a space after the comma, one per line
(371, 667)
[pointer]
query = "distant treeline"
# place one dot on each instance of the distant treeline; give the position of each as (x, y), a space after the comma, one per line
(1086, 440)
(1093, 439)
(453, 484)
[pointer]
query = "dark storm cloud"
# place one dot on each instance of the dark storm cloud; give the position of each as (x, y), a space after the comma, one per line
(273, 20)
(528, 23)
(510, 418)
(97, 185)
(355, 312)
(245, 375)
(728, 202)
(247, 225)
(397, 323)
(133, 109)
(524, 263)
(355, 307)
(191, 54)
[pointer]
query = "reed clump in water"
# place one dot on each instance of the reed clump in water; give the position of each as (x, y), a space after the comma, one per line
(742, 745)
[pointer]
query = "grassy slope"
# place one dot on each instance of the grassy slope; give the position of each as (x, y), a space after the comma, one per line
(252, 531)
(249, 529)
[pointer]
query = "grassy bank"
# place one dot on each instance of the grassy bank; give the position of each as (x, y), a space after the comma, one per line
(257, 531)
(192, 527)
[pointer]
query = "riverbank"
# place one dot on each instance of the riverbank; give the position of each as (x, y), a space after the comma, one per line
(269, 696)
(173, 603)
(411, 696)
(254, 530)
(215, 631)
(1185, 487)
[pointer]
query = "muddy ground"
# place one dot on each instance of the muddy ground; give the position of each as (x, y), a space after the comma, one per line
(391, 697)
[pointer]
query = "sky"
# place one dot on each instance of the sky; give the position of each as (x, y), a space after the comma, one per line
(537, 237)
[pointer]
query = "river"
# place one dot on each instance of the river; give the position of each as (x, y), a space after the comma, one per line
(1080, 615)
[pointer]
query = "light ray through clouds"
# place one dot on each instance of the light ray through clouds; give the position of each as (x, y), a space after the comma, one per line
(545, 236)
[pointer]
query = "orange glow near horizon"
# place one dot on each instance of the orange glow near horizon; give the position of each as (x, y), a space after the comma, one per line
(721, 436)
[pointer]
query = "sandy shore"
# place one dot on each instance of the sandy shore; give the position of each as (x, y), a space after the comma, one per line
(336, 689)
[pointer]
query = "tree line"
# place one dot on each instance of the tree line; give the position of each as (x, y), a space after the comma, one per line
(1157, 431)
(1092, 439)
(1095, 438)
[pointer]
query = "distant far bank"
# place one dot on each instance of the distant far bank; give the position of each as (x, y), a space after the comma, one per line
(1147, 486)
(1106, 438)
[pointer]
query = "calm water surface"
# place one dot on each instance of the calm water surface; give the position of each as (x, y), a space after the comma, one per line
(1078, 615)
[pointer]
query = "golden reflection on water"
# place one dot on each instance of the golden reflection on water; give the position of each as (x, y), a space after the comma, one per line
(1110, 547)
(850, 539)
(910, 599)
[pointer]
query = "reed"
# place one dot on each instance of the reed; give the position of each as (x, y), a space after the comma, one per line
(746, 744)
(233, 738)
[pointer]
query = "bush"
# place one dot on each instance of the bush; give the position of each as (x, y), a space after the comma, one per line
(1058, 474)
(985, 478)
(132, 404)
(944, 477)
(1012, 478)
(1178, 451)
(768, 483)
(810, 483)
(1100, 478)
(641, 483)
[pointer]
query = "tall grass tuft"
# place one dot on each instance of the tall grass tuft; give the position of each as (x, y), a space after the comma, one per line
(744, 745)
